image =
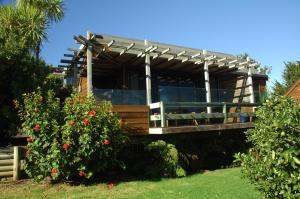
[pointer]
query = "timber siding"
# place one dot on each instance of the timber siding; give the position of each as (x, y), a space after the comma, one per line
(294, 91)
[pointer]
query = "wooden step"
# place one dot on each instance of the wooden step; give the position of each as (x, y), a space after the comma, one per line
(6, 174)
(6, 156)
(6, 168)
(6, 162)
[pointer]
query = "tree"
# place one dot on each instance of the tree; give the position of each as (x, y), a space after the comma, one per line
(50, 10)
(22, 30)
(290, 76)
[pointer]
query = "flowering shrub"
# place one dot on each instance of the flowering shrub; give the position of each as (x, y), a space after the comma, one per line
(70, 141)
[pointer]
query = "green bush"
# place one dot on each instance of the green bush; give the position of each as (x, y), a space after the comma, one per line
(165, 160)
(273, 163)
(72, 141)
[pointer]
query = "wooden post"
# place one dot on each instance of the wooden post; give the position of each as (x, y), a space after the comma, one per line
(89, 55)
(65, 79)
(148, 78)
(16, 166)
(207, 83)
(162, 115)
(250, 83)
(75, 76)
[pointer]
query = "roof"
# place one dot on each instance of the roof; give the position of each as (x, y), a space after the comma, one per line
(119, 51)
(293, 88)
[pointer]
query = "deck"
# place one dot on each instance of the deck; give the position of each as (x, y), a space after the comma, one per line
(161, 118)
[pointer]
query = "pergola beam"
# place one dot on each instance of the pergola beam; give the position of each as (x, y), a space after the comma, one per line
(161, 53)
(127, 48)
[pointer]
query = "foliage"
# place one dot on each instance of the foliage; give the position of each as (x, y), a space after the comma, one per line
(165, 159)
(49, 11)
(17, 75)
(273, 163)
(265, 70)
(22, 30)
(290, 76)
(69, 142)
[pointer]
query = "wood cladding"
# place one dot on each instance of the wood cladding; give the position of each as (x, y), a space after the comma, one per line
(294, 91)
(134, 117)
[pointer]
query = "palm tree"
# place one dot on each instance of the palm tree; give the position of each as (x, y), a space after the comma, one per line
(51, 10)
(21, 29)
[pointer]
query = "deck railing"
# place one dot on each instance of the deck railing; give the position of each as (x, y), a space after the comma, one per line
(167, 94)
(194, 111)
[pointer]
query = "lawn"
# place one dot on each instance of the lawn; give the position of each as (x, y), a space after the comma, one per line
(225, 184)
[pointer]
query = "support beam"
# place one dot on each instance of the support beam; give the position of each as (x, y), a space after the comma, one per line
(89, 58)
(250, 82)
(148, 79)
(207, 83)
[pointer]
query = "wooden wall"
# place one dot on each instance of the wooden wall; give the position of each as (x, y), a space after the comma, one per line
(294, 91)
(134, 117)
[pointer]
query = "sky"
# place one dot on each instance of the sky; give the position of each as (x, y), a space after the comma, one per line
(268, 30)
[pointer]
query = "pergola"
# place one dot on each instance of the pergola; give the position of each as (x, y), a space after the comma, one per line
(114, 52)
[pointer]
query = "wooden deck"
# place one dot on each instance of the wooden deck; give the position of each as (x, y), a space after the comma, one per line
(201, 128)
(137, 119)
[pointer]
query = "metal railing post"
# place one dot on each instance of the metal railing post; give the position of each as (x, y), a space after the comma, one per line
(162, 115)
(225, 112)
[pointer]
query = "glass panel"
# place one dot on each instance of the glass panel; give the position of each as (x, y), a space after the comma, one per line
(118, 96)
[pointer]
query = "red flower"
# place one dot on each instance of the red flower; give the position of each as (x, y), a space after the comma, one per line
(37, 127)
(106, 142)
(92, 113)
(82, 173)
(29, 139)
(66, 146)
(110, 185)
(86, 121)
(54, 171)
(71, 123)
(41, 98)
(71, 101)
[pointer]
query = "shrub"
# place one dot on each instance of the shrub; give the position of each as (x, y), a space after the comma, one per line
(72, 141)
(273, 163)
(165, 160)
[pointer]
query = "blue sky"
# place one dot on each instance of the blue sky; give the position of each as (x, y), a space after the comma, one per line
(268, 30)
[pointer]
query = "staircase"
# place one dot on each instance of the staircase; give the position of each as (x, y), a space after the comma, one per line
(9, 163)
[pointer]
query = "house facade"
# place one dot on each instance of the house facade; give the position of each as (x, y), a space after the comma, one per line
(160, 88)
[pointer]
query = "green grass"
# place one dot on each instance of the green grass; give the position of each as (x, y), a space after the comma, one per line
(225, 184)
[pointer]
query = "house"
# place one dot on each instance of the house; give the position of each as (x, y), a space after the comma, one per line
(294, 91)
(162, 89)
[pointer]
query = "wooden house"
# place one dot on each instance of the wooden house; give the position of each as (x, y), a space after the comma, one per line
(162, 89)
(294, 91)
